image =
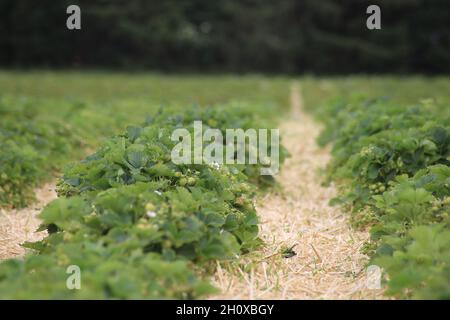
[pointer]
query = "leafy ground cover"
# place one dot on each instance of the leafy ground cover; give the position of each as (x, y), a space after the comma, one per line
(392, 163)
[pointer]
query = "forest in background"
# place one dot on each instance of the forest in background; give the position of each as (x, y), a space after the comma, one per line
(289, 36)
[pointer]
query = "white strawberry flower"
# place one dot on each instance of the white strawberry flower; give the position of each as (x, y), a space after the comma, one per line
(151, 214)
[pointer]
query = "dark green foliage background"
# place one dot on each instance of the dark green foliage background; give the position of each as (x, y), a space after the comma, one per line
(327, 36)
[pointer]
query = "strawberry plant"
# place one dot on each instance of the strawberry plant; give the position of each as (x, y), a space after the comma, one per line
(136, 224)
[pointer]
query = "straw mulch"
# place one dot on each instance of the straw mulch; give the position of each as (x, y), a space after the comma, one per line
(328, 263)
(19, 226)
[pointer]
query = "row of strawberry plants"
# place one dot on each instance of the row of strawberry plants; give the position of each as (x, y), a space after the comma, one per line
(392, 164)
(139, 226)
(39, 136)
(29, 149)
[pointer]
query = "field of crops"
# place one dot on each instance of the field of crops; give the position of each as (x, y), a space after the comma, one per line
(140, 226)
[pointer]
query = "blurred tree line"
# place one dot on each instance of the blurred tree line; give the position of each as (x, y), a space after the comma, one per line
(321, 36)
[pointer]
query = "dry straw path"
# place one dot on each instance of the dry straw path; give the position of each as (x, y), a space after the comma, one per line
(328, 263)
(18, 226)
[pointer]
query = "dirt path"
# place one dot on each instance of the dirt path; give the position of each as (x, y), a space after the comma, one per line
(18, 226)
(328, 263)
